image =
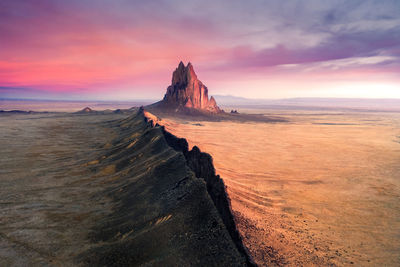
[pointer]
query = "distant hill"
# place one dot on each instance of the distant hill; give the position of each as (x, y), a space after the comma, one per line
(326, 103)
(86, 110)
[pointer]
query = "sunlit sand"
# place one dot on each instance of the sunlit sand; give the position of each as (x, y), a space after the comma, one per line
(322, 189)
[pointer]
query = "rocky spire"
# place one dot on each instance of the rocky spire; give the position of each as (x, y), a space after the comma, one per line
(187, 91)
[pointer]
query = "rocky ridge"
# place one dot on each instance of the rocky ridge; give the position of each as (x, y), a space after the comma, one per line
(202, 166)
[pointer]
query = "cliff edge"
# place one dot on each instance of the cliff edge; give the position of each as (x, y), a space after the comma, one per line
(162, 213)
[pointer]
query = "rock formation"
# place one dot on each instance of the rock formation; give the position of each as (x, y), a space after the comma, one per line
(186, 91)
(202, 165)
(161, 213)
(86, 110)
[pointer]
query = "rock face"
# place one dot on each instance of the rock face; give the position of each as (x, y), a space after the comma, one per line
(160, 213)
(202, 165)
(186, 91)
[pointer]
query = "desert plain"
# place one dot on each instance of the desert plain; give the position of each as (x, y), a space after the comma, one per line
(321, 189)
(314, 188)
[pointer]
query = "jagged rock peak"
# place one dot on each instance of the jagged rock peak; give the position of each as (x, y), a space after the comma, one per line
(186, 90)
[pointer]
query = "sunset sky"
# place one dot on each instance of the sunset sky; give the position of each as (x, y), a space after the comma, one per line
(126, 50)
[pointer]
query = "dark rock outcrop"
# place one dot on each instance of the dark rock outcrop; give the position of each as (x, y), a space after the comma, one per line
(202, 165)
(158, 213)
(188, 92)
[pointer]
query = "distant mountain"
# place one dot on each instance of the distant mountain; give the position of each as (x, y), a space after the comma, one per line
(85, 110)
(329, 103)
(232, 100)
(16, 112)
(187, 92)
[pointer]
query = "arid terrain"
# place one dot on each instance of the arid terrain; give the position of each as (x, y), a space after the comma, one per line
(312, 188)
(199, 133)
(321, 189)
(95, 189)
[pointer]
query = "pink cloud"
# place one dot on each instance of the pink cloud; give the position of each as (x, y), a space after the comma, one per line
(72, 46)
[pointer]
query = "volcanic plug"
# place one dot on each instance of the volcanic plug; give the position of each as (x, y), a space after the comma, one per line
(188, 92)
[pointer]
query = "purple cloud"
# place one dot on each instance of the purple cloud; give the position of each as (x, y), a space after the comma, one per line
(339, 46)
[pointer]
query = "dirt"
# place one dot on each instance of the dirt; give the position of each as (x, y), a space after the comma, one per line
(102, 189)
(320, 189)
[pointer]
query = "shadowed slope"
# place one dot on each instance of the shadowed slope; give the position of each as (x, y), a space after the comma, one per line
(202, 165)
(163, 214)
(93, 190)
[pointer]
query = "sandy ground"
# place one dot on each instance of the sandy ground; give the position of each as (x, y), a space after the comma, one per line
(44, 201)
(102, 190)
(322, 189)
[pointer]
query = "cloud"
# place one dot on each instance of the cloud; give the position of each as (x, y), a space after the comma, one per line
(67, 45)
(339, 46)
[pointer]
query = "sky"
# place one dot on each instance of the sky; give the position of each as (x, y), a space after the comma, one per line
(127, 50)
